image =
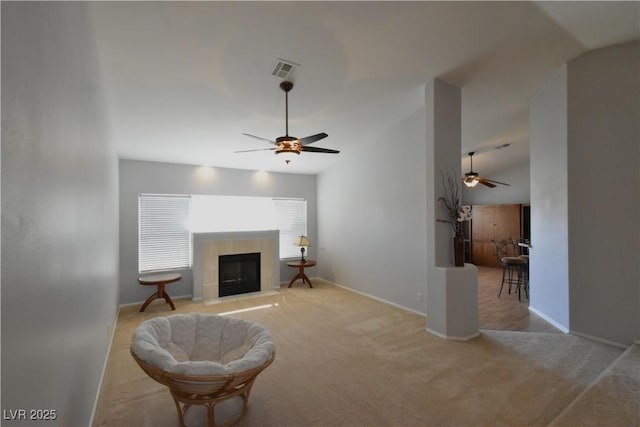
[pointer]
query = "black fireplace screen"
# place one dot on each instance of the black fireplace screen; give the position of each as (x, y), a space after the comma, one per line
(238, 274)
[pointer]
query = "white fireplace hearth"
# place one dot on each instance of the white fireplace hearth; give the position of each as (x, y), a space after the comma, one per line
(207, 247)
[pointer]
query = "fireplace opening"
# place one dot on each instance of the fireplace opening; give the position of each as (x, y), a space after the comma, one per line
(238, 274)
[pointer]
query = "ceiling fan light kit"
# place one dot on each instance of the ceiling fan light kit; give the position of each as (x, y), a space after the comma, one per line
(290, 146)
(471, 178)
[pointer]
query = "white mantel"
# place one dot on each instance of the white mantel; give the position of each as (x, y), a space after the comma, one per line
(207, 247)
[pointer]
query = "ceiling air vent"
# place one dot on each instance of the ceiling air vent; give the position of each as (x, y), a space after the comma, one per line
(284, 69)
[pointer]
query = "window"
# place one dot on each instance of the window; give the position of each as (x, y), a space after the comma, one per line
(234, 213)
(164, 241)
(167, 221)
(291, 220)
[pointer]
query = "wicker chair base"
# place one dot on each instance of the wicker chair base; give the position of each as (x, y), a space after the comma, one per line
(208, 391)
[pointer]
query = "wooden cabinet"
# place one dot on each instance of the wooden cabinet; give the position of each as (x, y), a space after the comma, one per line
(492, 222)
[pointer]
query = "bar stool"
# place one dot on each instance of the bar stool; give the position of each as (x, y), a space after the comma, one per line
(513, 269)
(525, 274)
(521, 250)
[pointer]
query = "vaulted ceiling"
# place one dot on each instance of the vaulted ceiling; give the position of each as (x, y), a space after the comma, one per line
(185, 79)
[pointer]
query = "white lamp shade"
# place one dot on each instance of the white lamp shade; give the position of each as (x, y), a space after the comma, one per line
(287, 156)
(301, 241)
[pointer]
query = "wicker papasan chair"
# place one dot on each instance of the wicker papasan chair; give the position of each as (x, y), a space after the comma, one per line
(204, 359)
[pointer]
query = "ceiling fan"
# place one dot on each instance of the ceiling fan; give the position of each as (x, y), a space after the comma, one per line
(290, 144)
(471, 178)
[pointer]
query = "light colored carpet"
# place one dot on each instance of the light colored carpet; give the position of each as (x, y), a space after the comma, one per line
(345, 359)
(612, 400)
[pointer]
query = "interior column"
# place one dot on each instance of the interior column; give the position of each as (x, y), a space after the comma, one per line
(452, 294)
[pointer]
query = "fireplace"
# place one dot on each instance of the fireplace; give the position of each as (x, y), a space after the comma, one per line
(208, 247)
(238, 274)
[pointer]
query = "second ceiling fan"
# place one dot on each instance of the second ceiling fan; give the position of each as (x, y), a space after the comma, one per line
(291, 144)
(471, 178)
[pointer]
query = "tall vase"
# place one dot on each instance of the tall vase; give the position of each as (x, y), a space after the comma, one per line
(458, 249)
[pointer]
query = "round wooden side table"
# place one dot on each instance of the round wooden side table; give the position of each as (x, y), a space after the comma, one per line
(159, 280)
(301, 266)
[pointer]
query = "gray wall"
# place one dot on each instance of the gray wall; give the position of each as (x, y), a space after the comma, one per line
(59, 214)
(585, 195)
(169, 178)
(604, 192)
(549, 258)
(443, 137)
(518, 191)
(371, 216)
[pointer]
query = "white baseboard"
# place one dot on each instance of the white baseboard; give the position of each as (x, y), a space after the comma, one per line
(453, 338)
(104, 369)
(402, 307)
(601, 340)
(548, 319)
(578, 334)
(129, 304)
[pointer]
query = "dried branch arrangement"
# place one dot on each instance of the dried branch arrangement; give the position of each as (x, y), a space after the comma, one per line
(456, 213)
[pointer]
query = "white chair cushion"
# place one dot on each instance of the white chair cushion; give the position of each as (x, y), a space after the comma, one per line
(202, 344)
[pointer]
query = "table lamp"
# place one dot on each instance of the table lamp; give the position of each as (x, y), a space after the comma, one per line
(302, 241)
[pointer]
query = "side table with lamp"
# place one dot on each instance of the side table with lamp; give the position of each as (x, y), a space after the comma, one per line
(301, 263)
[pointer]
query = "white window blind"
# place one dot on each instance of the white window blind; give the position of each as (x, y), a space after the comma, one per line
(166, 224)
(291, 220)
(164, 241)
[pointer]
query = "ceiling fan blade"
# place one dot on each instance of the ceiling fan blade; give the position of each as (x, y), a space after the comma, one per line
(313, 138)
(496, 182)
(483, 181)
(319, 150)
(257, 149)
(260, 138)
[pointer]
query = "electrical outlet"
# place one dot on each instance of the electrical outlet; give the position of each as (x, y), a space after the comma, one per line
(419, 297)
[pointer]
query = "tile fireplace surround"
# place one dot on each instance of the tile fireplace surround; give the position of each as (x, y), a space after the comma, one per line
(207, 247)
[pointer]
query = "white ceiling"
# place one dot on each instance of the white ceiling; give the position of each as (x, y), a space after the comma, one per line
(185, 79)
